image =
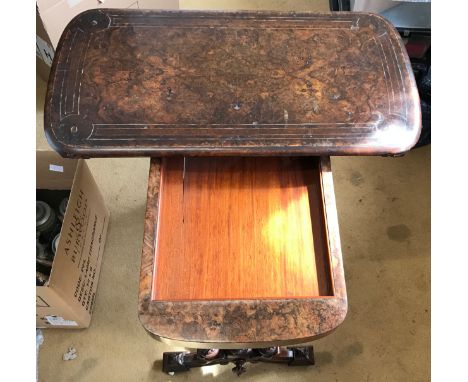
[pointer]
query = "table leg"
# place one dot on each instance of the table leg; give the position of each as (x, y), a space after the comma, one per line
(184, 361)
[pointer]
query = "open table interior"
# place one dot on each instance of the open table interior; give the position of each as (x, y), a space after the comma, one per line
(241, 228)
(241, 252)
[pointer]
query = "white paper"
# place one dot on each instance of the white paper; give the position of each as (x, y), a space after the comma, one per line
(70, 354)
(54, 167)
(44, 50)
(72, 3)
(57, 320)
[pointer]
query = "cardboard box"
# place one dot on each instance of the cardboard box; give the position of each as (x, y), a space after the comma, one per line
(44, 50)
(52, 16)
(56, 14)
(68, 299)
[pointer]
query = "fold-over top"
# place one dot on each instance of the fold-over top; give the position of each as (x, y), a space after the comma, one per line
(133, 83)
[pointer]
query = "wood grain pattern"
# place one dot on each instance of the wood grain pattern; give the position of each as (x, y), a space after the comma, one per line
(132, 82)
(239, 228)
(243, 323)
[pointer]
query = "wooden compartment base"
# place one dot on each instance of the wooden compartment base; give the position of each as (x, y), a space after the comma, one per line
(241, 228)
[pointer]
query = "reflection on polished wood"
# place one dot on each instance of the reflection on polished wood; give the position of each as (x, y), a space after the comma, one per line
(240, 228)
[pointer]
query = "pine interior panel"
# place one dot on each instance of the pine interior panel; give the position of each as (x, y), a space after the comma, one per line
(240, 228)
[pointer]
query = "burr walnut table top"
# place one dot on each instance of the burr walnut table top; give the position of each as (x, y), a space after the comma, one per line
(241, 252)
(133, 82)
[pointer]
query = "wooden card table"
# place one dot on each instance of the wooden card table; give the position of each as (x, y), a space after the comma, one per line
(239, 113)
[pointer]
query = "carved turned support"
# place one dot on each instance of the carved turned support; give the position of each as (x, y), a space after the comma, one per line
(184, 361)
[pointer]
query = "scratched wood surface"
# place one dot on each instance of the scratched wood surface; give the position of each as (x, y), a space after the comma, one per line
(240, 228)
(132, 82)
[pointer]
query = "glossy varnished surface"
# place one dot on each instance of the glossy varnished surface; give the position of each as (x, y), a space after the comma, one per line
(244, 322)
(132, 82)
(240, 228)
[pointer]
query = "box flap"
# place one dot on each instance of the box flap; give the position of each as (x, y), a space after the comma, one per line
(134, 83)
(54, 172)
